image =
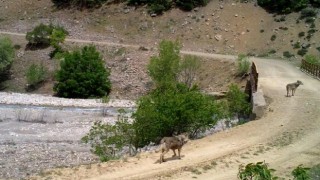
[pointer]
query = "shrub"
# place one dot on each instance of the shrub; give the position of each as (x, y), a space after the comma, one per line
(107, 141)
(314, 172)
(302, 51)
(243, 65)
(287, 54)
(258, 171)
(6, 57)
(273, 37)
(188, 69)
(238, 103)
(301, 34)
(78, 3)
(308, 12)
(296, 45)
(43, 36)
(312, 59)
(82, 75)
(283, 6)
(35, 74)
(301, 173)
(173, 111)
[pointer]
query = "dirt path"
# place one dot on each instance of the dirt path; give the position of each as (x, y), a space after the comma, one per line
(288, 135)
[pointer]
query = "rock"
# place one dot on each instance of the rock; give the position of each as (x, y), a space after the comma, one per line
(153, 15)
(221, 6)
(236, 15)
(218, 37)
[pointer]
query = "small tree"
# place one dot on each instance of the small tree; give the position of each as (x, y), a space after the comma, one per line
(188, 69)
(258, 171)
(35, 74)
(6, 57)
(108, 140)
(238, 101)
(82, 75)
(164, 69)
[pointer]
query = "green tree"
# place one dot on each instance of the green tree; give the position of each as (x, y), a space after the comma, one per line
(6, 57)
(283, 6)
(238, 101)
(173, 107)
(164, 69)
(258, 171)
(82, 75)
(243, 65)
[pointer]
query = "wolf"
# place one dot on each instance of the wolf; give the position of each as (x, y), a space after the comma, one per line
(173, 143)
(293, 87)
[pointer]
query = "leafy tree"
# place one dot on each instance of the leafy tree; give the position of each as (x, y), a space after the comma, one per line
(57, 37)
(238, 101)
(35, 75)
(164, 69)
(258, 171)
(82, 75)
(301, 173)
(173, 107)
(283, 6)
(188, 69)
(6, 57)
(108, 140)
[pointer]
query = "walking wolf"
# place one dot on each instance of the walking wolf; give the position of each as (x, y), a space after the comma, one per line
(293, 87)
(175, 142)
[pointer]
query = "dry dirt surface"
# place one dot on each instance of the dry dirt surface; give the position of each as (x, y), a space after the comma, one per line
(288, 135)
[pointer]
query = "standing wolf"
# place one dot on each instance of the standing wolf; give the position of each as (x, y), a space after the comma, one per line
(293, 87)
(175, 142)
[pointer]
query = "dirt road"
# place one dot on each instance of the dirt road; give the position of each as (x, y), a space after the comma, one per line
(288, 135)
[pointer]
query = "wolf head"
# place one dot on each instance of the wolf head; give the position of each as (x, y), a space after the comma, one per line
(299, 82)
(184, 138)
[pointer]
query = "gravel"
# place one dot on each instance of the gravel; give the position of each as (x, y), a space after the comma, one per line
(40, 132)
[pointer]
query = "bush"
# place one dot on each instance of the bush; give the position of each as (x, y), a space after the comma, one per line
(287, 54)
(82, 75)
(283, 6)
(301, 34)
(273, 37)
(78, 3)
(173, 111)
(243, 65)
(259, 171)
(312, 59)
(302, 52)
(314, 172)
(6, 57)
(35, 74)
(308, 12)
(238, 101)
(188, 69)
(301, 173)
(107, 141)
(43, 36)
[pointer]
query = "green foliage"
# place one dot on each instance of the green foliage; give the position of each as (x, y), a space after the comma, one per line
(82, 75)
(164, 69)
(46, 35)
(314, 172)
(273, 37)
(301, 173)
(173, 111)
(35, 74)
(258, 171)
(302, 51)
(6, 57)
(301, 34)
(287, 54)
(238, 101)
(308, 12)
(243, 65)
(283, 6)
(188, 69)
(78, 3)
(108, 140)
(312, 59)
